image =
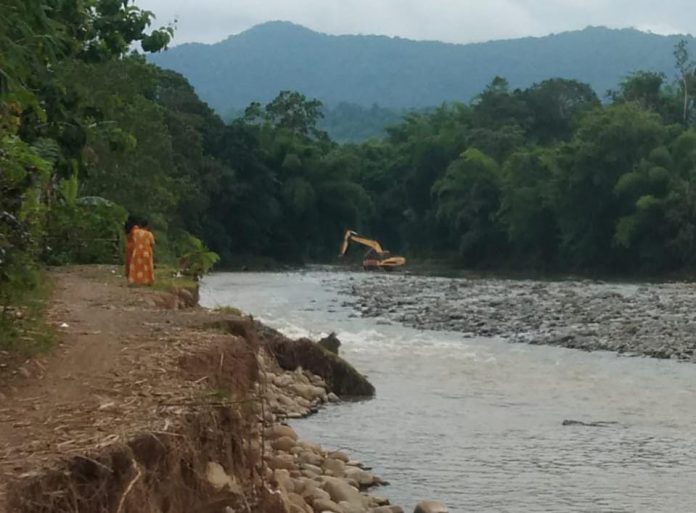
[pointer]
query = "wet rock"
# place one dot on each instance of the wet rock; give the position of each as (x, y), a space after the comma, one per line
(362, 477)
(387, 509)
(340, 377)
(340, 491)
(334, 467)
(430, 507)
(330, 343)
(600, 423)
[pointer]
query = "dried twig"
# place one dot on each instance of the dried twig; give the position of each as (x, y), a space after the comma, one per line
(137, 476)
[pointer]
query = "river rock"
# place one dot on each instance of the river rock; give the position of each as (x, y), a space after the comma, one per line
(330, 343)
(335, 467)
(281, 461)
(362, 477)
(308, 392)
(298, 501)
(338, 455)
(284, 443)
(321, 505)
(279, 431)
(315, 494)
(347, 507)
(387, 509)
(219, 479)
(311, 458)
(431, 507)
(282, 477)
(341, 491)
(310, 469)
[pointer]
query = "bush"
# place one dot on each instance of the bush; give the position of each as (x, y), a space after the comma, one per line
(90, 231)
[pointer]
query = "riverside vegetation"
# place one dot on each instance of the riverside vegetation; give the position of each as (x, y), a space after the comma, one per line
(545, 178)
(542, 178)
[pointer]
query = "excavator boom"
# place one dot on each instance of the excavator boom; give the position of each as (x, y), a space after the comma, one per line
(376, 258)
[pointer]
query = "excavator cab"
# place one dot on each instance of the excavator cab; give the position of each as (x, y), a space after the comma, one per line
(375, 258)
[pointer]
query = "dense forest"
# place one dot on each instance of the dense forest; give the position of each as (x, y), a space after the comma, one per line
(546, 178)
(397, 73)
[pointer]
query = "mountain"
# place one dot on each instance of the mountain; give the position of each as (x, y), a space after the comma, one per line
(399, 73)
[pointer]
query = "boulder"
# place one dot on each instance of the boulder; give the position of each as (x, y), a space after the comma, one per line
(284, 443)
(282, 477)
(314, 494)
(340, 377)
(339, 456)
(335, 467)
(312, 470)
(362, 477)
(298, 501)
(279, 431)
(282, 461)
(430, 507)
(330, 343)
(311, 458)
(308, 392)
(326, 505)
(341, 491)
(219, 479)
(347, 507)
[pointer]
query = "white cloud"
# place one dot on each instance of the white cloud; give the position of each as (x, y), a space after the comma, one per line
(459, 21)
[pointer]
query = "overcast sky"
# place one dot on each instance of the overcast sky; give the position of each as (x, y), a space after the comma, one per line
(457, 21)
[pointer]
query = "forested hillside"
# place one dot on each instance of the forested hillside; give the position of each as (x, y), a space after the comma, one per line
(397, 73)
(546, 177)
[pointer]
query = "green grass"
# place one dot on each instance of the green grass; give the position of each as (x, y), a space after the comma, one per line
(166, 279)
(23, 327)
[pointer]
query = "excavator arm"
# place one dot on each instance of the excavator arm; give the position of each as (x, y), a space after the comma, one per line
(376, 257)
(351, 236)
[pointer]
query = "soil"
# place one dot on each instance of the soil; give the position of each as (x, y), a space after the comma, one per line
(125, 362)
(151, 405)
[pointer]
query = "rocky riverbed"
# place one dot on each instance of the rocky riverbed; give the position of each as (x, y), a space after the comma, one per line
(656, 320)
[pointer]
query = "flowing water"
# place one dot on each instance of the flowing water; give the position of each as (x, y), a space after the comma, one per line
(477, 423)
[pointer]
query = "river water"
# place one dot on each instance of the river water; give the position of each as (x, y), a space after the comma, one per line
(477, 422)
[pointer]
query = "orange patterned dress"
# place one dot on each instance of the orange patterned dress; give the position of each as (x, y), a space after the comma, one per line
(141, 270)
(129, 249)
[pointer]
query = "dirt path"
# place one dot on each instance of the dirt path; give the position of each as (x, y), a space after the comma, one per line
(101, 380)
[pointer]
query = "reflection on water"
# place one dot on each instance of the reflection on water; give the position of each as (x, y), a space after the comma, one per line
(477, 422)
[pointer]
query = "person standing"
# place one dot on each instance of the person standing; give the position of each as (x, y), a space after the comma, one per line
(142, 266)
(130, 226)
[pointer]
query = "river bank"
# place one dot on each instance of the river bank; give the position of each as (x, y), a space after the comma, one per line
(149, 405)
(655, 320)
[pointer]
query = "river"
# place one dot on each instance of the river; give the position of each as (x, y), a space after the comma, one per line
(476, 421)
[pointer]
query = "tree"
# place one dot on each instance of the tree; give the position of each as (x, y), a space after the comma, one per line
(526, 207)
(294, 112)
(685, 66)
(555, 106)
(609, 143)
(467, 198)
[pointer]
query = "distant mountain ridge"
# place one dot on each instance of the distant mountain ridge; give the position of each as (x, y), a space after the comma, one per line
(399, 73)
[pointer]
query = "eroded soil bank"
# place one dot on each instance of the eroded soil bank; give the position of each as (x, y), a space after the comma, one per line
(148, 406)
(656, 320)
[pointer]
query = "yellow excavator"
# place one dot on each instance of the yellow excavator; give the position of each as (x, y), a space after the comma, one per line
(376, 257)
